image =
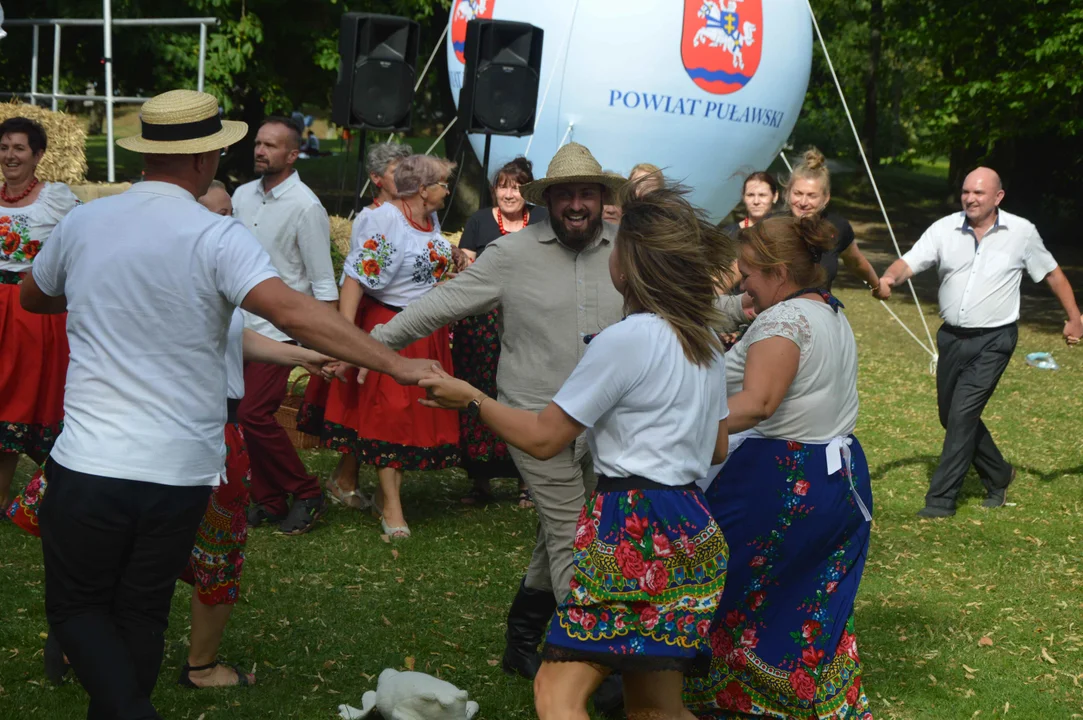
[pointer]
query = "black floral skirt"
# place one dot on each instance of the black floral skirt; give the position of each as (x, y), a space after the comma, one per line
(475, 352)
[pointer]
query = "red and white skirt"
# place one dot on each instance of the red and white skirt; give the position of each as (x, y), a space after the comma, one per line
(33, 368)
(382, 422)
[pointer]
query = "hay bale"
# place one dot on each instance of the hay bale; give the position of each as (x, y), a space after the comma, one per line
(92, 191)
(65, 158)
(341, 229)
(340, 234)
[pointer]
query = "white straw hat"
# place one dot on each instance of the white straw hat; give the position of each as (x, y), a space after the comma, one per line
(183, 122)
(573, 163)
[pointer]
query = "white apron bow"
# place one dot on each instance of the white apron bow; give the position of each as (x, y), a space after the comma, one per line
(838, 453)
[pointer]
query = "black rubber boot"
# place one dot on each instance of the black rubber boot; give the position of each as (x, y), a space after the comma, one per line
(608, 699)
(527, 619)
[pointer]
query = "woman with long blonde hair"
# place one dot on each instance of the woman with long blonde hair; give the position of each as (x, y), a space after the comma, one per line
(649, 560)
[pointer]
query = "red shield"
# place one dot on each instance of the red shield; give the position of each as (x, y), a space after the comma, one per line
(462, 12)
(721, 43)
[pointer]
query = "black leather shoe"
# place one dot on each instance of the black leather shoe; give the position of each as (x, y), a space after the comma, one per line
(931, 512)
(997, 498)
(303, 515)
(258, 515)
(608, 699)
(527, 619)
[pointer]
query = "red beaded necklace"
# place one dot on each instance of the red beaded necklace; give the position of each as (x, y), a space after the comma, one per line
(410, 218)
(500, 220)
(9, 199)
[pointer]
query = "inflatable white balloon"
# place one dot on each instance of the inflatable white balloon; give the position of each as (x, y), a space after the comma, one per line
(708, 90)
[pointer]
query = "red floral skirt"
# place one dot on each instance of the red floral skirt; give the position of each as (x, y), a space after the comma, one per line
(382, 422)
(214, 567)
(24, 508)
(650, 565)
(33, 368)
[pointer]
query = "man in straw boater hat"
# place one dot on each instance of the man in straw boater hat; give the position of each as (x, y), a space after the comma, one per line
(551, 281)
(149, 280)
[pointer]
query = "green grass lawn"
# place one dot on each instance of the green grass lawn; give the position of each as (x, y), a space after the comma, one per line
(979, 616)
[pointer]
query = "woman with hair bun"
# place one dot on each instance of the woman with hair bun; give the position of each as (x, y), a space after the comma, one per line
(807, 194)
(794, 499)
(475, 349)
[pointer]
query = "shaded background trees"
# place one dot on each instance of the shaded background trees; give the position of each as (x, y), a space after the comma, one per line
(965, 80)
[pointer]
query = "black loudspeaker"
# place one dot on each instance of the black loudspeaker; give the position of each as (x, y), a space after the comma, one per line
(500, 82)
(376, 72)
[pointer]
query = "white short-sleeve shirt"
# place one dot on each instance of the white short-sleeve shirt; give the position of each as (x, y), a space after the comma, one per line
(151, 279)
(394, 261)
(648, 410)
(979, 281)
(821, 403)
(235, 356)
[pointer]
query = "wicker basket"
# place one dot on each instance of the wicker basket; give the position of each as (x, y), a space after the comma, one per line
(287, 418)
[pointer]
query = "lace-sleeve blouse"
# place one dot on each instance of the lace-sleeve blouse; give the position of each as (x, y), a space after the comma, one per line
(822, 401)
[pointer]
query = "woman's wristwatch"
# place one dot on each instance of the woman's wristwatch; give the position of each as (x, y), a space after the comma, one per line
(474, 406)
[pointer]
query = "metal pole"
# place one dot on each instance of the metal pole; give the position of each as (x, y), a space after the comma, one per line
(486, 199)
(56, 65)
(107, 15)
(34, 68)
(357, 190)
(202, 55)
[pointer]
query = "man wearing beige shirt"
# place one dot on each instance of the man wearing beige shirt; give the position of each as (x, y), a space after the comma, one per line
(552, 284)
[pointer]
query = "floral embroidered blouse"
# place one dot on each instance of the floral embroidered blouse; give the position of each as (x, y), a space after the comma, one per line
(24, 230)
(392, 260)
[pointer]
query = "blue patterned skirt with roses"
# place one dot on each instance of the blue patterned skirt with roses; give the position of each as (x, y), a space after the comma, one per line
(650, 565)
(784, 644)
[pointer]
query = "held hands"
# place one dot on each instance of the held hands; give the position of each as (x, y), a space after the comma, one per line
(409, 371)
(1073, 331)
(460, 259)
(320, 365)
(883, 290)
(446, 392)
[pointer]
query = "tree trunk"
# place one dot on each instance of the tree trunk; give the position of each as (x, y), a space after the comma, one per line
(236, 167)
(876, 30)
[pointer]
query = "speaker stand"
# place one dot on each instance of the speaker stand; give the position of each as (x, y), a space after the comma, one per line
(485, 162)
(360, 172)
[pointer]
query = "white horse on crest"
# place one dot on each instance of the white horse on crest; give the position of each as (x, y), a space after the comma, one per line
(714, 32)
(470, 9)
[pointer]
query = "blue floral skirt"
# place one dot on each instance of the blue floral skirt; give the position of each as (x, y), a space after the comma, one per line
(784, 645)
(650, 564)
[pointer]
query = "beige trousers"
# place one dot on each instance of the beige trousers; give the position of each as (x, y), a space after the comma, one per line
(560, 486)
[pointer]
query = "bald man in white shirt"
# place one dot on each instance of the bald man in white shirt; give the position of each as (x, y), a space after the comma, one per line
(980, 255)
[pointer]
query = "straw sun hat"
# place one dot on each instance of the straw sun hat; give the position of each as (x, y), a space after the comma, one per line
(183, 122)
(573, 163)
